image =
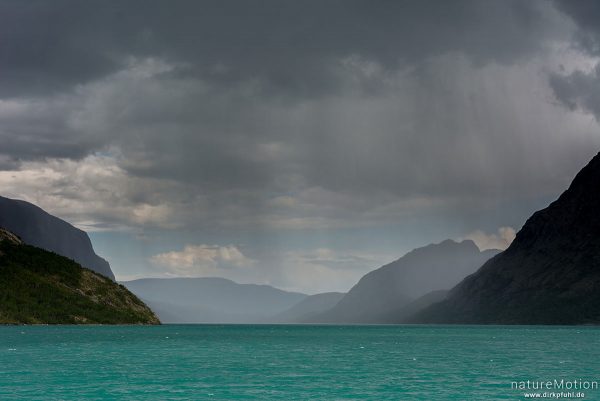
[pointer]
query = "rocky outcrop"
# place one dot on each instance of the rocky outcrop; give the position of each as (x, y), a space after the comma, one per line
(7, 236)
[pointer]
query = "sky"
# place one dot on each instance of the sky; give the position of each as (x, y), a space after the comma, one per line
(294, 143)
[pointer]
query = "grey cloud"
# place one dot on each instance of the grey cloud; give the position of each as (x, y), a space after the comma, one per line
(342, 111)
(293, 48)
(234, 66)
(579, 90)
(585, 15)
(48, 46)
(33, 129)
(450, 137)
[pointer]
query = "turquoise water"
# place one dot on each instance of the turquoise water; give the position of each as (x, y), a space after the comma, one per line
(263, 362)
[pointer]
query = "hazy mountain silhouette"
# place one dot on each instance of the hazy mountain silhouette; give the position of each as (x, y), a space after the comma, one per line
(380, 295)
(38, 228)
(402, 314)
(550, 274)
(212, 300)
(309, 307)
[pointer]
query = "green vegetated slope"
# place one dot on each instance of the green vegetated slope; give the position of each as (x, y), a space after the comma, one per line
(41, 287)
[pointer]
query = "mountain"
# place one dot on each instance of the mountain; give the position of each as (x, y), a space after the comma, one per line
(380, 295)
(309, 307)
(40, 229)
(212, 300)
(41, 287)
(550, 274)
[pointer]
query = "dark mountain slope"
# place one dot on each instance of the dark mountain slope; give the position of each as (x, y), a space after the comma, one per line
(549, 275)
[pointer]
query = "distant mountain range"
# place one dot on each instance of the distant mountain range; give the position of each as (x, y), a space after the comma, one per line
(41, 287)
(38, 228)
(381, 295)
(550, 274)
(212, 300)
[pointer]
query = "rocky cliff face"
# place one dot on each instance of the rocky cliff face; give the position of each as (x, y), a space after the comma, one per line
(381, 294)
(549, 275)
(9, 237)
(38, 228)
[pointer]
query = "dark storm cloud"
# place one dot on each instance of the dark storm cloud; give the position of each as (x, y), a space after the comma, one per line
(48, 46)
(580, 90)
(292, 47)
(585, 14)
(311, 110)
(37, 129)
(276, 51)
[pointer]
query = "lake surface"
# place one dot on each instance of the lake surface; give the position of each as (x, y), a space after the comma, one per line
(264, 362)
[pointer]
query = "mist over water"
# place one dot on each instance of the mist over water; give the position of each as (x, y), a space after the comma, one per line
(267, 362)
